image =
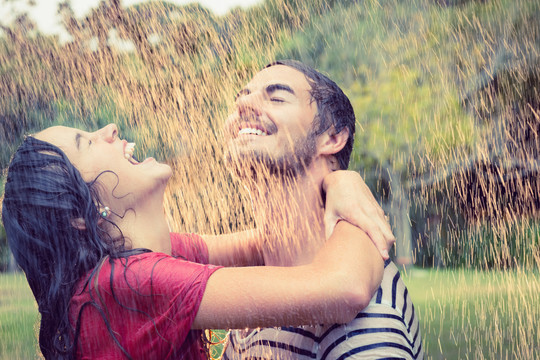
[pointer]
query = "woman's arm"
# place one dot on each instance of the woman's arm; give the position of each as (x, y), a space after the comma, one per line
(237, 249)
(332, 289)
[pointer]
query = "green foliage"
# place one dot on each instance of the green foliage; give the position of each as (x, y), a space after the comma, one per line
(413, 71)
(4, 250)
(405, 109)
(409, 69)
(481, 246)
(446, 239)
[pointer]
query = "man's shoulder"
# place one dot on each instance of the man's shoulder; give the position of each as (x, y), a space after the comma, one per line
(392, 292)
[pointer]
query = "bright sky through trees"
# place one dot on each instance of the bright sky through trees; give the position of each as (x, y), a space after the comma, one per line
(44, 11)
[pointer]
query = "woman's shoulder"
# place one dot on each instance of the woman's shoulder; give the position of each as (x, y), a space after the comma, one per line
(118, 269)
(190, 247)
(145, 272)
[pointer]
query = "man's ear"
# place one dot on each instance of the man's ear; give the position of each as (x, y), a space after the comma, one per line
(78, 223)
(331, 142)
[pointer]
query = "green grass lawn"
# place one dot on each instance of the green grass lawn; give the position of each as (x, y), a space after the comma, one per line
(463, 314)
(477, 315)
(18, 318)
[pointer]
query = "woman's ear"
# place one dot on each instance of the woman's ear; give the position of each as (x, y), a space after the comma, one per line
(331, 142)
(78, 223)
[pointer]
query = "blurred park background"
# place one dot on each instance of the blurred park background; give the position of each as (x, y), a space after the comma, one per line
(447, 100)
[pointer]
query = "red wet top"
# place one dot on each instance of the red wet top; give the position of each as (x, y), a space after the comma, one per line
(149, 300)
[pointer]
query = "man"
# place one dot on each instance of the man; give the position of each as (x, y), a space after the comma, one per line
(292, 127)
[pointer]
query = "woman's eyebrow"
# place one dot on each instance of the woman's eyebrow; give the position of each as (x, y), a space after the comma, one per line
(276, 87)
(78, 140)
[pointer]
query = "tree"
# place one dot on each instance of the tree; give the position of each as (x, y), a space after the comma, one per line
(414, 78)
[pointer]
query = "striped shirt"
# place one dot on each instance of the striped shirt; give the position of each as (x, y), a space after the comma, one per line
(387, 328)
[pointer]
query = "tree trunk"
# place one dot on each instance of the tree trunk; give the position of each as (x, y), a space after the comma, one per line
(399, 217)
(12, 265)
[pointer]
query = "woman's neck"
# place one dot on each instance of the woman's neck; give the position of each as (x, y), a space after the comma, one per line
(145, 226)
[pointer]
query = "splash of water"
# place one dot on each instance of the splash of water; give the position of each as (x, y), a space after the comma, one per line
(446, 95)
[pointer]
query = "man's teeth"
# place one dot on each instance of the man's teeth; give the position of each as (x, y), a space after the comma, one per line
(128, 150)
(251, 131)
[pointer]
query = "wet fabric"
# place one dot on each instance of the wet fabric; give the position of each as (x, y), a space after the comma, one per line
(149, 300)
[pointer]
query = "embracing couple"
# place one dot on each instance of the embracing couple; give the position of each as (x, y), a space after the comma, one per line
(84, 221)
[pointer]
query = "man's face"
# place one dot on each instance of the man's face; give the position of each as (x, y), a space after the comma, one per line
(272, 122)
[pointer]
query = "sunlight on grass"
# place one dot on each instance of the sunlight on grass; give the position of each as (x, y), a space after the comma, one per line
(476, 314)
(18, 318)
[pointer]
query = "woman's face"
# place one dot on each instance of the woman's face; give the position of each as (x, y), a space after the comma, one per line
(101, 155)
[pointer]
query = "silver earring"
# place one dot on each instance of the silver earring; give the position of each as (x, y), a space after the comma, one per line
(106, 211)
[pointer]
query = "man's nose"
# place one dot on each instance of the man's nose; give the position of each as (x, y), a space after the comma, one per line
(250, 104)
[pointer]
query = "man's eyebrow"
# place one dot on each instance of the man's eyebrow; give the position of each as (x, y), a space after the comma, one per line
(276, 87)
(78, 140)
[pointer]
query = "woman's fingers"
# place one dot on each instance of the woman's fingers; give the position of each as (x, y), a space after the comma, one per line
(349, 198)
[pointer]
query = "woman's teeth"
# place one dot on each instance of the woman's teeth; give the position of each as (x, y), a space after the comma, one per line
(128, 150)
(251, 131)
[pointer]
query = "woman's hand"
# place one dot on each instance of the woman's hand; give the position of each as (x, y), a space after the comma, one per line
(349, 198)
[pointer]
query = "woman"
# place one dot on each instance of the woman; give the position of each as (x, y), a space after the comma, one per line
(85, 222)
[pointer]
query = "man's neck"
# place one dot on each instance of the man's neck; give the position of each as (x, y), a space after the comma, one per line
(290, 211)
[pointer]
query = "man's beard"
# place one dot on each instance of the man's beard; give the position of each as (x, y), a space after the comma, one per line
(254, 164)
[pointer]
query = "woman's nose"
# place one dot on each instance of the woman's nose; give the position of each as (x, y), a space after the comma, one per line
(109, 132)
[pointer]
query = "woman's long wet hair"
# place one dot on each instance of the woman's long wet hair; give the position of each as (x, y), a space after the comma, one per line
(44, 194)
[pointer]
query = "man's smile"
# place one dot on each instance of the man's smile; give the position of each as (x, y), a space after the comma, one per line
(244, 127)
(251, 131)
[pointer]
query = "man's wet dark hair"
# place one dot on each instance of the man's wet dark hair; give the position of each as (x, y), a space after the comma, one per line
(333, 107)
